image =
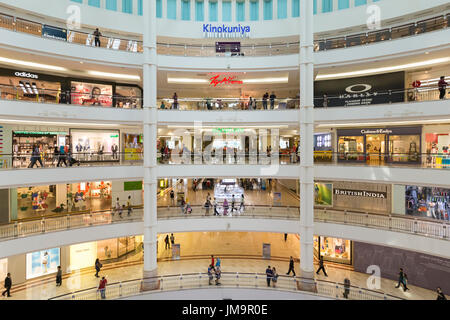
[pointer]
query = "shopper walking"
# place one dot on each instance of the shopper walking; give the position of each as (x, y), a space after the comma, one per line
(321, 267)
(117, 207)
(285, 237)
(167, 242)
(212, 260)
(268, 275)
(59, 277)
(291, 266)
(216, 213)
(98, 266)
(130, 208)
(207, 205)
(274, 277)
(182, 205)
(35, 156)
(242, 205)
(440, 294)
(225, 207)
(210, 274)
(102, 287)
(233, 201)
(97, 35)
(8, 285)
(218, 262)
(172, 197)
(402, 280)
(61, 156)
(172, 239)
(218, 275)
(175, 101)
(346, 288)
(442, 84)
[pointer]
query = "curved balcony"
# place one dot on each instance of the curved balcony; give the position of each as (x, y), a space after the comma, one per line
(133, 45)
(391, 230)
(132, 288)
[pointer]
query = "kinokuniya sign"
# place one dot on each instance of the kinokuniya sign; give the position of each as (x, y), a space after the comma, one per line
(225, 31)
(360, 193)
(377, 89)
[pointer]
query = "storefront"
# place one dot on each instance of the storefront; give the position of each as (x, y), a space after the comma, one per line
(436, 139)
(128, 97)
(354, 196)
(334, 249)
(23, 142)
(427, 202)
(92, 145)
(323, 150)
(380, 145)
(93, 196)
(133, 146)
(3, 268)
(42, 263)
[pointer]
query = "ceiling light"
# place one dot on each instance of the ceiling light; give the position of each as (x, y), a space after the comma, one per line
(114, 75)
(186, 80)
(267, 80)
(383, 69)
(31, 64)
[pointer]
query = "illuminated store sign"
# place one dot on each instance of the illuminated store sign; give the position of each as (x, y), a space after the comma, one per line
(225, 31)
(227, 130)
(40, 133)
(26, 75)
(360, 193)
(218, 79)
(376, 131)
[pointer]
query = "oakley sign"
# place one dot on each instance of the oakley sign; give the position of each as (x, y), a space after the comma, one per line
(358, 88)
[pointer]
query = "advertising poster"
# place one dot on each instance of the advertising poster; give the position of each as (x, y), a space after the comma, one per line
(323, 194)
(277, 199)
(54, 33)
(266, 250)
(91, 94)
(95, 145)
(360, 90)
(41, 263)
(176, 251)
(133, 145)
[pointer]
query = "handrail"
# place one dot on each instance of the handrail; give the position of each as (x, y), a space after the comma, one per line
(434, 229)
(135, 287)
(132, 45)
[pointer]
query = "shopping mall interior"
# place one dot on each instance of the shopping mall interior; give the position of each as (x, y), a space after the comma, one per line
(178, 146)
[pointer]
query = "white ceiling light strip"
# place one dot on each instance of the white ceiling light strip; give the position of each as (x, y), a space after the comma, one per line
(246, 81)
(31, 64)
(383, 69)
(114, 75)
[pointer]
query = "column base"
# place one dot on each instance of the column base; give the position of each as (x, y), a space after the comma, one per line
(306, 282)
(150, 281)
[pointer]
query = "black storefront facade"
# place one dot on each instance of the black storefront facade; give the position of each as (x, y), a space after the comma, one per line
(380, 145)
(22, 84)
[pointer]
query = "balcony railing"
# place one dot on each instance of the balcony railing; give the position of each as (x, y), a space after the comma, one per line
(131, 288)
(438, 229)
(134, 45)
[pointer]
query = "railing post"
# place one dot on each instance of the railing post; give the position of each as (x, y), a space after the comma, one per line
(16, 229)
(367, 219)
(43, 225)
(337, 290)
(181, 281)
(415, 226)
(68, 221)
(90, 219)
(390, 222)
(256, 280)
(120, 289)
(444, 231)
(345, 216)
(237, 279)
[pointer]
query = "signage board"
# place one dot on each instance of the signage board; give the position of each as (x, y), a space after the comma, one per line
(54, 33)
(360, 193)
(225, 31)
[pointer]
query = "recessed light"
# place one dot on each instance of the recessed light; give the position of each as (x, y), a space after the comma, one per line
(427, 52)
(81, 62)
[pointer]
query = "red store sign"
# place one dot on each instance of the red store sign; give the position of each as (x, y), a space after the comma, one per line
(218, 79)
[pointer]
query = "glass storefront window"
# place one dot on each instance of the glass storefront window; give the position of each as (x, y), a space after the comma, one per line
(333, 249)
(351, 148)
(95, 145)
(43, 262)
(404, 148)
(128, 97)
(429, 202)
(17, 88)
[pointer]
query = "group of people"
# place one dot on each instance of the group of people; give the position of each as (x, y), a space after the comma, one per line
(226, 208)
(119, 209)
(169, 240)
(214, 270)
(62, 153)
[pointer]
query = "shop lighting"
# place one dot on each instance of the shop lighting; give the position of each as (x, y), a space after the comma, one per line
(27, 85)
(186, 80)
(33, 85)
(114, 75)
(31, 64)
(22, 87)
(383, 69)
(245, 81)
(267, 80)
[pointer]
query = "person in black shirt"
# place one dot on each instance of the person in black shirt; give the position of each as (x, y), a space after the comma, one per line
(166, 240)
(264, 100)
(269, 274)
(291, 266)
(402, 280)
(272, 100)
(441, 295)
(8, 285)
(97, 36)
(321, 267)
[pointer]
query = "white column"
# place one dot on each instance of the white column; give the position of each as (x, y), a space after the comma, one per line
(306, 123)
(103, 4)
(335, 5)
(178, 9)
(119, 5)
(135, 7)
(164, 9)
(274, 9)
(233, 11)
(352, 4)
(193, 10)
(61, 195)
(150, 136)
(261, 10)
(289, 9)
(206, 8)
(319, 6)
(219, 11)
(247, 10)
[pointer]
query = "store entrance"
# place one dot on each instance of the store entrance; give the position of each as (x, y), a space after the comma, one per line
(375, 149)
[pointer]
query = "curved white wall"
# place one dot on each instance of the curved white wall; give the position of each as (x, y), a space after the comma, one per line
(370, 235)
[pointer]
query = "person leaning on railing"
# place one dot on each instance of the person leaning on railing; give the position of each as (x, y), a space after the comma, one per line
(442, 87)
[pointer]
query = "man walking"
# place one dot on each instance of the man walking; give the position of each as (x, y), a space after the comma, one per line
(102, 287)
(441, 295)
(97, 36)
(59, 277)
(402, 278)
(8, 285)
(166, 240)
(272, 100)
(442, 87)
(285, 237)
(321, 267)
(291, 266)
(172, 197)
(172, 239)
(269, 274)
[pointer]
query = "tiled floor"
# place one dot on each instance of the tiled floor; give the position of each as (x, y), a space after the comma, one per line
(239, 252)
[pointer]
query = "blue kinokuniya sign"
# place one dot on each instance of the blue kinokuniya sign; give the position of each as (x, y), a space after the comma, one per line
(225, 31)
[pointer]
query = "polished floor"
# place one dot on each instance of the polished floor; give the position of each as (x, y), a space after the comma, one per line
(195, 251)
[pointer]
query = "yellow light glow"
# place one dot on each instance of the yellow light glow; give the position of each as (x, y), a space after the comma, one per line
(114, 75)
(31, 64)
